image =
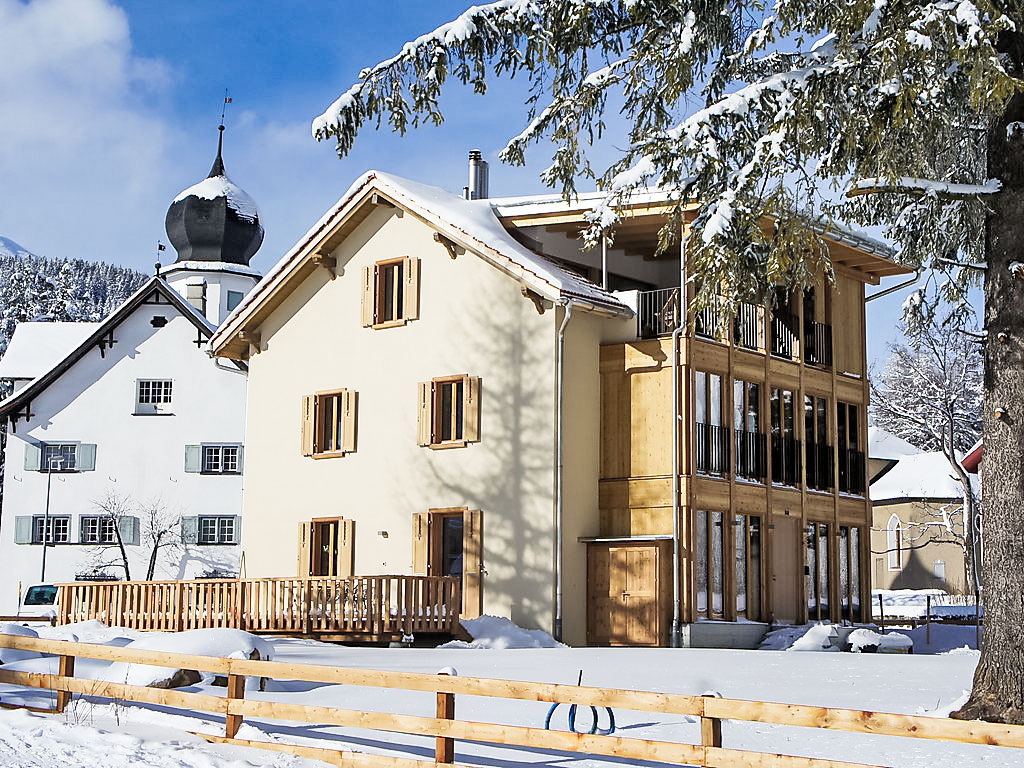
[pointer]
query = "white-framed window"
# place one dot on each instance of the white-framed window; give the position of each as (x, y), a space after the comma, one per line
(217, 529)
(66, 456)
(59, 457)
(894, 543)
(939, 570)
(234, 299)
(153, 395)
(57, 532)
(96, 529)
(221, 458)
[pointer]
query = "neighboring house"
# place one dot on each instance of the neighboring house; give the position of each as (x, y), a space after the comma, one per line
(133, 407)
(917, 537)
(406, 414)
(884, 450)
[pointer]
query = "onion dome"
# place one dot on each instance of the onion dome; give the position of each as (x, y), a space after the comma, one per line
(215, 220)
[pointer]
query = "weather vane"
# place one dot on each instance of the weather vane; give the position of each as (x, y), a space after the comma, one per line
(224, 107)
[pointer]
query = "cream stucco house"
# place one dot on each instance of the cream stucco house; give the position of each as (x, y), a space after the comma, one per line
(440, 385)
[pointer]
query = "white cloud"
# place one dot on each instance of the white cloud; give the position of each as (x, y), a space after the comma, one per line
(81, 141)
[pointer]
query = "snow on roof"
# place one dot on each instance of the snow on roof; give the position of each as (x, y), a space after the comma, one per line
(213, 187)
(920, 476)
(885, 445)
(210, 266)
(36, 347)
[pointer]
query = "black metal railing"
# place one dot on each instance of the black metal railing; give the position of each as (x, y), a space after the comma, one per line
(748, 326)
(851, 471)
(708, 323)
(751, 455)
(819, 466)
(818, 344)
(784, 340)
(712, 448)
(786, 454)
(658, 313)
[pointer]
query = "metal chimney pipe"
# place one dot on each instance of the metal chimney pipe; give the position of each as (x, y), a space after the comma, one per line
(477, 189)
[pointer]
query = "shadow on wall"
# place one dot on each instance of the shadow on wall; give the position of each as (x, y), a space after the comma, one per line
(917, 573)
(515, 489)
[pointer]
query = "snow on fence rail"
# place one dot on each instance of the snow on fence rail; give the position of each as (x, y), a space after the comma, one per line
(371, 606)
(446, 728)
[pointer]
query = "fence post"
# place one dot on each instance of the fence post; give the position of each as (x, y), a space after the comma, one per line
(710, 730)
(928, 620)
(180, 604)
(66, 668)
(236, 690)
(881, 614)
(444, 747)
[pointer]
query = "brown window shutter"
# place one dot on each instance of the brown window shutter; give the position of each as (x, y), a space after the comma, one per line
(304, 562)
(369, 295)
(347, 548)
(472, 564)
(425, 417)
(308, 425)
(348, 437)
(420, 541)
(411, 295)
(471, 409)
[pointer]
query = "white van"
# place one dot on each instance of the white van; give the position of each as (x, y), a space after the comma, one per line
(39, 600)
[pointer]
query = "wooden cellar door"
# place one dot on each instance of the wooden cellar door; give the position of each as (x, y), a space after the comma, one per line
(623, 595)
(787, 570)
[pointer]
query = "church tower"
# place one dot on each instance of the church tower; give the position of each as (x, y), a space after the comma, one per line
(215, 228)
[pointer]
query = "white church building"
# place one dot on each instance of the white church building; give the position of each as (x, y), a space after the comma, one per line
(125, 434)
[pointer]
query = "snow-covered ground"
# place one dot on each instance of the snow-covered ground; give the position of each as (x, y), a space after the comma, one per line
(912, 684)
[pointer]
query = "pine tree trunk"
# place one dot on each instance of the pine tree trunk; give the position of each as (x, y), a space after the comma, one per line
(998, 693)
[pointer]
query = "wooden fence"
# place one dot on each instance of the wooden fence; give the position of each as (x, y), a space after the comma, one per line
(373, 607)
(445, 728)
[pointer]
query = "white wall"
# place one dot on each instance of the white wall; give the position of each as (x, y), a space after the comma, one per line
(141, 457)
(218, 283)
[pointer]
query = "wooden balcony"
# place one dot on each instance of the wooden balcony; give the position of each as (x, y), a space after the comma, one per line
(369, 608)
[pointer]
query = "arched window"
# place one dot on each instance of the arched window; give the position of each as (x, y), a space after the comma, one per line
(894, 543)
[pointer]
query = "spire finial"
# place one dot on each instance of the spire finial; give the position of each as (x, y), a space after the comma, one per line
(218, 164)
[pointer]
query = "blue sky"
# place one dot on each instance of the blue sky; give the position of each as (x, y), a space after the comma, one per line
(108, 109)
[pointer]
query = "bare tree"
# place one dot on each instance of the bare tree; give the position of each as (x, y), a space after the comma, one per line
(112, 507)
(160, 532)
(930, 394)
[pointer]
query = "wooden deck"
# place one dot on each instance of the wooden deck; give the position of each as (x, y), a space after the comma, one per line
(368, 608)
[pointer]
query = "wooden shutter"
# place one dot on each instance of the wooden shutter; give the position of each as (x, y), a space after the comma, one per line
(238, 530)
(193, 458)
(348, 413)
(346, 548)
(411, 294)
(420, 543)
(128, 528)
(471, 409)
(308, 425)
(33, 456)
(369, 295)
(472, 564)
(190, 530)
(304, 559)
(23, 529)
(425, 424)
(85, 457)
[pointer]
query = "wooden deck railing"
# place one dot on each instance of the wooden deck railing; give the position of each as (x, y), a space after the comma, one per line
(445, 728)
(369, 606)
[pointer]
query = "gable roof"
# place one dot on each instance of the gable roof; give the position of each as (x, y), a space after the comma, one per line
(923, 476)
(13, 405)
(37, 346)
(972, 461)
(471, 224)
(885, 445)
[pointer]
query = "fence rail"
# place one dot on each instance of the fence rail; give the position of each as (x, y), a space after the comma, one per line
(444, 726)
(370, 606)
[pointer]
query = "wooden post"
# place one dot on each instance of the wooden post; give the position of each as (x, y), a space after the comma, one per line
(444, 748)
(65, 669)
(881, 614)
(180, 605)
(236, 690)
(710, 732)
(928, 620)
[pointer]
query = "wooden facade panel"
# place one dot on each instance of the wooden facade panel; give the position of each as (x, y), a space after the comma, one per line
(748, 366)
(711, 494)
(637, 521)
(637, 492)
(707, 356)
(785, 499)
(818, 380)
(820, 506)
(848, 336)
(750, 499)
(853, 510)
(784, 373)
(636, 418)
(849, 389)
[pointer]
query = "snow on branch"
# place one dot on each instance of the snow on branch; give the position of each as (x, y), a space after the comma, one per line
(924, 187)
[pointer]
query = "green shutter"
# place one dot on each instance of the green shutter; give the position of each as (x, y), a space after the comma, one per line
(129, 529)
(23, 530)
(241, 454)
(193, 458)
(238, 530)
(33, 456)
(190, 530)
(85, 457)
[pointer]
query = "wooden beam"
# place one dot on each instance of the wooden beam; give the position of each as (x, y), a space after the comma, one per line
(322, 259)
(453, 248)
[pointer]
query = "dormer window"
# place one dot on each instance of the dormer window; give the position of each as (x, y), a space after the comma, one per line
(153, 396)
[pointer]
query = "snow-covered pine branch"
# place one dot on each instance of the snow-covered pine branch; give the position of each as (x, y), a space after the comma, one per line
(927, 187)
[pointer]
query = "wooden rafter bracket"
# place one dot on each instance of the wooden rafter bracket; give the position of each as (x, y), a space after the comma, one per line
(539, 302)
(106, 342)
(252, 338)
(327, 262)
(376, 199)
(453, 248)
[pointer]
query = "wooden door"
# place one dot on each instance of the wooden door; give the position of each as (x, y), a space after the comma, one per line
(787, 570)
(624, 598)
